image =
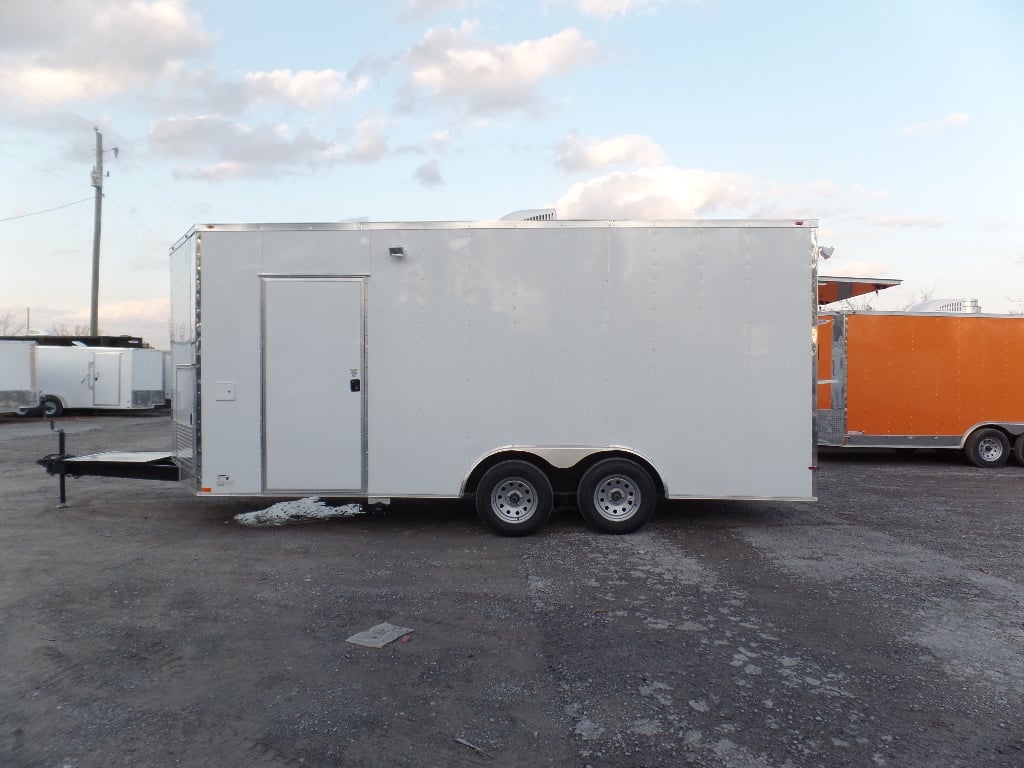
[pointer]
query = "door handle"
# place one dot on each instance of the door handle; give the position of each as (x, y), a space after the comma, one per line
(355, 385)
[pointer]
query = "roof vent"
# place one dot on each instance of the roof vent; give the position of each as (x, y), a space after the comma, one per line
(532, 214)
(964, 306)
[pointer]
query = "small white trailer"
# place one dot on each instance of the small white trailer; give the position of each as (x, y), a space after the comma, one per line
(99, 378)
(18, 391)
(619, 361)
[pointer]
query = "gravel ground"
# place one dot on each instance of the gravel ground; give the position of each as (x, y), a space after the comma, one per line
(880, 626)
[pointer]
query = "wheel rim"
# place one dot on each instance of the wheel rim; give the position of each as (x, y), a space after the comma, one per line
(617, 497)
(514, 500)
(990, 449)
(49, 408)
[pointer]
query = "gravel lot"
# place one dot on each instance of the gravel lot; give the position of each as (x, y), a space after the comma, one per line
(881, 626)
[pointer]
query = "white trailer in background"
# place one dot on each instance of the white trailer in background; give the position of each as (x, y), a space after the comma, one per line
(99, 378)
(18, 391)
(511, 360)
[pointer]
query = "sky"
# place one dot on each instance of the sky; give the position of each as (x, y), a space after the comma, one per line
(896, 123)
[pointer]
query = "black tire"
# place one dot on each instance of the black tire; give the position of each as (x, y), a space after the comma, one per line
(987, 447)
(51, 407)
(616, 496)
(514, 498)
(1018, 450)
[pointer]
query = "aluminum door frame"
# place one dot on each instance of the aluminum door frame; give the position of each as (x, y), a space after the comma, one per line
(265, 279)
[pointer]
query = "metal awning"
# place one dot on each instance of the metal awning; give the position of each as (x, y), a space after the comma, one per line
(832, 289)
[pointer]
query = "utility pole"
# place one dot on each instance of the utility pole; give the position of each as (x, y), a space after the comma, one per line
(97, 182)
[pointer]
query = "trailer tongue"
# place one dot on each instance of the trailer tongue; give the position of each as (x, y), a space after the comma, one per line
(143, 465)
(140, 465)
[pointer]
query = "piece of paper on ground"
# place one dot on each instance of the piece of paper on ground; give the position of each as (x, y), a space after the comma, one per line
(379, 636)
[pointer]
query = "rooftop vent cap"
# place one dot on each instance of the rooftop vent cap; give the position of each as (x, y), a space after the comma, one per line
(964, 306)
(532, 214)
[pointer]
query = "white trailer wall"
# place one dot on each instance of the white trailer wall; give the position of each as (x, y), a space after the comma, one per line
(18, 376)
(143, 378)
(686, 343)
(66, 373)
(101, 377)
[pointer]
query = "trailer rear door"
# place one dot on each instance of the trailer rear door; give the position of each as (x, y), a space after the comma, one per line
(313, 394)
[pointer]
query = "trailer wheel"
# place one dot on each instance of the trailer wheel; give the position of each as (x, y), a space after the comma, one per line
(514, 498)
(1018, 450)
(987, 447)
(51, 407)
(616, 496)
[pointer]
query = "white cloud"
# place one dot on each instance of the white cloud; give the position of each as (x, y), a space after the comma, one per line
(307, 89)
(234, 149)
(668, 192)
(369, 143)
(420, 9)
(94, 48)
(663, 192)
(856, 268)
(440, 140)
(453, 67)
(577, 154)
(158, 309)
(937, 126)
(429, 174)
(870, 194)
(202, 89)
(217, 148)
(1003, 225)
(607, 9)
(928, 222)
(410, 149)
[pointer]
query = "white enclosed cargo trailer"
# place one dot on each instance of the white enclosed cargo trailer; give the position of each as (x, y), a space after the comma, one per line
(18, 391)
(99, 378)
(621, 361)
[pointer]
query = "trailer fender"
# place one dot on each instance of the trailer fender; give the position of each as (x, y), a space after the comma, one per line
(565, 463)
(1013, 429)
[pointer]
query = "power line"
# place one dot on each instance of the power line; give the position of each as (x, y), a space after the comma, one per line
(48, 210)
(58, 107)
(62, 109)
(40, 168)
(161, 238)
(157, 187)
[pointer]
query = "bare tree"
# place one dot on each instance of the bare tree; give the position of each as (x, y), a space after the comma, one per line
(63, 330)
(9, 326)
(858, 304)
(926, 294)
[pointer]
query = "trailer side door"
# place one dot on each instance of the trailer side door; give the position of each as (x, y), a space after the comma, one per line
(106, 379)
(313, 394)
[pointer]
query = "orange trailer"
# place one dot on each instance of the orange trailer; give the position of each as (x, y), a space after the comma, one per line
(922, 380)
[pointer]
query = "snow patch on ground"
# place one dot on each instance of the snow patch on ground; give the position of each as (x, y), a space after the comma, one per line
(297, 511)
